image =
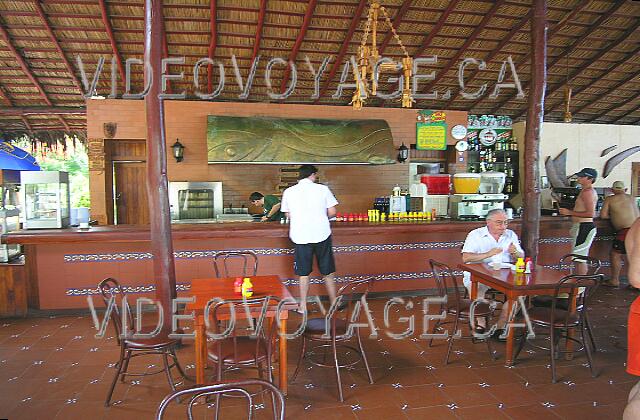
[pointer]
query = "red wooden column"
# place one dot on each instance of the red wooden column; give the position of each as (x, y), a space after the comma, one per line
(535, 115)
(164, 274)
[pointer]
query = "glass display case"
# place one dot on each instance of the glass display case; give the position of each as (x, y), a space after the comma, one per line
(45, 195)
(9, 222)
(193, 202)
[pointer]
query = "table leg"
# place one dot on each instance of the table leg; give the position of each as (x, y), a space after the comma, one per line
(200, 344)
(283, 356)
(510, 335)
(474, 289)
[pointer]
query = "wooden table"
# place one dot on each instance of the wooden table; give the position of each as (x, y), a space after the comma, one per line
(208, 288)
(542, 281)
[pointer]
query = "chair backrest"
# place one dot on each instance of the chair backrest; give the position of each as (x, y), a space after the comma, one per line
(262, 330)
(445, 281)
(237, 387)
(577, 287)
(593, 264)
(352, 292)
(110, 288)
(223, 261)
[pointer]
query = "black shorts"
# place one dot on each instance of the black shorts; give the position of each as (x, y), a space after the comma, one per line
(303, 264)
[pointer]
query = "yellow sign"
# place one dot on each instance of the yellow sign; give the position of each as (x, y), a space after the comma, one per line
(431, 136)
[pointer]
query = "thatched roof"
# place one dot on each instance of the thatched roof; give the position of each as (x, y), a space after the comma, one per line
(592, 46)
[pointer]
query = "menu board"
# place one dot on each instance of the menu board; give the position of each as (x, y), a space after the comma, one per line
(431, 131)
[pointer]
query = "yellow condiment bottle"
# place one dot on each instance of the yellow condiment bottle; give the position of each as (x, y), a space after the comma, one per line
(247, 287)
(520, 265)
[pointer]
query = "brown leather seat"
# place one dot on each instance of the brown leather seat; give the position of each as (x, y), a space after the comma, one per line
(482, 309)
(238, 350)
(543, 316)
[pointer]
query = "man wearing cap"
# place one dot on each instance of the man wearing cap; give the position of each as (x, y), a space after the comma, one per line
(622, 210)
(583, 230)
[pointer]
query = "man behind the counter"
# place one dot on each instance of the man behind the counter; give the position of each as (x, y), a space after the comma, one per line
(309, 206)
(271, 206)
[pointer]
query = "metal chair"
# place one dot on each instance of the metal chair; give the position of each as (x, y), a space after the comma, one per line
(239, 387)
(234, 350)
(223, 259)
(456, 306)
(561, 321)
(130, 346)
(351, 293)
(568, 261)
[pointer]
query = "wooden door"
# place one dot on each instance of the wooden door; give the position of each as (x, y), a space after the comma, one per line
(130, 193)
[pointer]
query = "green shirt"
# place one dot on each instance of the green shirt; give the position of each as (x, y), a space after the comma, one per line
(269, 202)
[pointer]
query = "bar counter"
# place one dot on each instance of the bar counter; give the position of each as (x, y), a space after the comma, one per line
(63, 266)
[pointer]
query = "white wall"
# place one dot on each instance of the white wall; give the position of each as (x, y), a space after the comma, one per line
(585, 143)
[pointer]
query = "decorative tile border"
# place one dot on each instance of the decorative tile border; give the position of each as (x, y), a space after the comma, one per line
(182, 255)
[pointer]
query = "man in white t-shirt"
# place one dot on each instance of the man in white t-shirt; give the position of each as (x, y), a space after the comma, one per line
(309, 206)
(491, 243)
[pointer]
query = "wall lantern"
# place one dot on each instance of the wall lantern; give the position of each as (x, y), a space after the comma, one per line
(178, 151)
(403, 153)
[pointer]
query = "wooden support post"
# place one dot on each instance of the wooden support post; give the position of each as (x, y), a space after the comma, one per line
(535, 115)
(164, 275)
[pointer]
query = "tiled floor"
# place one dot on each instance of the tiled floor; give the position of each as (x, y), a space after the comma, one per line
(53, 368)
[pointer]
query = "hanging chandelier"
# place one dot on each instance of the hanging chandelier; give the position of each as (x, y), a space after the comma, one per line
(368, 56)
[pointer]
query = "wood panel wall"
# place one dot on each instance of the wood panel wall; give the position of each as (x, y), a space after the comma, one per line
(355, 186)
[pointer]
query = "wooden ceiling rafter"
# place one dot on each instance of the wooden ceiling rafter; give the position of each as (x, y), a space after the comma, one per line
(27, 71)
(213, 41)
(261, 15)
(622, 38)
(616, 106)
(112, 39)
(608, 91)
(514, 30)
(426, 43)
(54, 41)
(355, 21)
(311, 7)
(454, 60)
(569, 49)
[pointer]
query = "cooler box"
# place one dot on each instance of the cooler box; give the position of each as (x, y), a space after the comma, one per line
(438, 184)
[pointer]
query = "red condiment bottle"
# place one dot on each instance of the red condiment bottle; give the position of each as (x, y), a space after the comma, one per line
(237, 285)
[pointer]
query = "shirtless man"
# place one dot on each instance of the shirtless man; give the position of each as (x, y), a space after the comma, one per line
(583, 230)
(632, 243)
(622, 210)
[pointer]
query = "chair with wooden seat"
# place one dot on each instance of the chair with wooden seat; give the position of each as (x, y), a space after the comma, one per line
(457, 307)
(560, 322)
(131, 346)
(340, 317)
(225, 262)
(241, 387)
(239, 347)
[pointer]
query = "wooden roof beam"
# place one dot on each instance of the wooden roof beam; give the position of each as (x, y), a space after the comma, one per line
(42, 110)
(296, 46)
(516, 28)
(55, 42)
(609, 91)
(452, 61)
(213, 41)
(256, 43)
(629, 113)
(616, 6)
(629, 32)
(355, 21)
(616, 106)
(112, 40)
(434, 31)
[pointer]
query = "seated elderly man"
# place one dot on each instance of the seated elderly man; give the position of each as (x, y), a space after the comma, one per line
(491, 243)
